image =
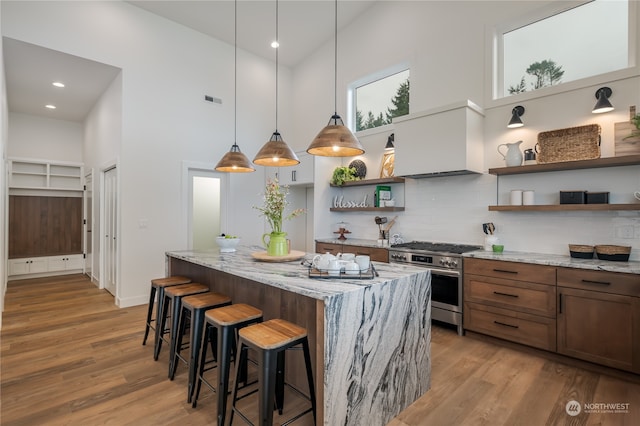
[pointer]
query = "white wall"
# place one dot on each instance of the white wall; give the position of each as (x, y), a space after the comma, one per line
(446, 46)
(36, 137)
(166, 71)
(4, 119)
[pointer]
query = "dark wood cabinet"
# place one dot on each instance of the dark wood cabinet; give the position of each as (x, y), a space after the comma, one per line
(512, 301)
(599, 317)
(376, 254)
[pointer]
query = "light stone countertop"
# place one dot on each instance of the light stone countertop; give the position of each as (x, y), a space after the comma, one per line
(291, 276)
(630, 267)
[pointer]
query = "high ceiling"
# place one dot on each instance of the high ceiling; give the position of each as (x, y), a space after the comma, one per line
(303, 26)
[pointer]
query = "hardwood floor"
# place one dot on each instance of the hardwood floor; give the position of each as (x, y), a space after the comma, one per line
(69, 356)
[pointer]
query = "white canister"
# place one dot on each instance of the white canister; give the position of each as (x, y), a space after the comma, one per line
(528, 198)
(516, 197)
(489, 241)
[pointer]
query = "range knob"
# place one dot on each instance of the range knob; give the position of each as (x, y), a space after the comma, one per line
(454, 263)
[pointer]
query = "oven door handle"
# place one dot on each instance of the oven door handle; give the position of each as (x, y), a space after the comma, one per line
(444, 272)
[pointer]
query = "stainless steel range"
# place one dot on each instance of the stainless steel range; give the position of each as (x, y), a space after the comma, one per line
(445, 262)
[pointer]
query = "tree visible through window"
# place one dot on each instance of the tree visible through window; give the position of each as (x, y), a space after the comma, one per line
(581, 42)
(377, 103)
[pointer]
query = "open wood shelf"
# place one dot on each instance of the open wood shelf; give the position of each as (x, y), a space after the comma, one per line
(627, 160)
(366, 209)
(565, 207)
(370, 182)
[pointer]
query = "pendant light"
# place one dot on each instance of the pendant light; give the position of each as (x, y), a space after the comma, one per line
(235, 161)
(276, 152)
(335, 140)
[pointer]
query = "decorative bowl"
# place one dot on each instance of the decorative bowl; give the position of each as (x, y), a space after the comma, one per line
(580, 251)
(227, 245)
(615, 253)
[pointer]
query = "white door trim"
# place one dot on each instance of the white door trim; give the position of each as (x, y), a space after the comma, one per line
(224, 194)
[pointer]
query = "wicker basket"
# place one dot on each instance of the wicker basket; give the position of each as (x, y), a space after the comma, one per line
(613, 249)
(581, 251)
(572, 144)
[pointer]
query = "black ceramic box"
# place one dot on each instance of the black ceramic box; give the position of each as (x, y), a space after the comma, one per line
(572, 197)
(597, 198)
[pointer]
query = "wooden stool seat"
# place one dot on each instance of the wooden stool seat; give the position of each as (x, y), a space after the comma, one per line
(232, 315)
(273, 334)
(193, 310)
(173, 295)
(270, 340)
(157, 286)
(221, 325)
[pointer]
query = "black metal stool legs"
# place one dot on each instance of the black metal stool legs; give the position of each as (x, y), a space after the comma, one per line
(152, 298)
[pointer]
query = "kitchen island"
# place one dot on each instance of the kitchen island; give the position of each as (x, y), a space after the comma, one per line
(370, 338)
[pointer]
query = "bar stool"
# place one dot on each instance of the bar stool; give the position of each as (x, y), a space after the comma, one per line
(224, 324)
(270, 340)
(193, 309)
(173, 295)
(158, 285)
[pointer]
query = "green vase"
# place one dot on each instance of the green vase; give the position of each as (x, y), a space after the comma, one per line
(277, 245)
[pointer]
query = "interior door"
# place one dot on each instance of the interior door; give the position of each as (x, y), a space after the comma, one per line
(204, 209)
(110, 227)
(88, 224)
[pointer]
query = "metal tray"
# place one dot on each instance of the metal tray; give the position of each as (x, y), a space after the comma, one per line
(369, 274)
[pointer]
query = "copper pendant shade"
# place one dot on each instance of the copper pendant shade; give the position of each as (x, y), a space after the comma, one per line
(335, 140)
(276, 153)
(235, 161)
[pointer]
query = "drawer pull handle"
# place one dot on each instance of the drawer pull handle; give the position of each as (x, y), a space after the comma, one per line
(506, 325)
(505, 271)
(505, 294)
(596, 282)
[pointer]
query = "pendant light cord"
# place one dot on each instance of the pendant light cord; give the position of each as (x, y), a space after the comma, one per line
(277, 48)
(235, 72)
(335, 62)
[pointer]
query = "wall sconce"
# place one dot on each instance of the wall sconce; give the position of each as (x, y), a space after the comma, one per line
(390, 146)
(603, 104)
(515, 121)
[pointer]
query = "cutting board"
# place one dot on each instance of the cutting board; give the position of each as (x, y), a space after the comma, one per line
(262, 256)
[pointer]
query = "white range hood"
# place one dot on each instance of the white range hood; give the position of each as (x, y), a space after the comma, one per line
(442, 141)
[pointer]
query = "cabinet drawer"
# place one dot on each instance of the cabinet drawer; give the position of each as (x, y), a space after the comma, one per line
(376, 254)
(531, 330)
(327, 247)
(538, 299)
(603, 281)
(511, 270)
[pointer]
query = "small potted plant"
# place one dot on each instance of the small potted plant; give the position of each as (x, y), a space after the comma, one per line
(344, 174)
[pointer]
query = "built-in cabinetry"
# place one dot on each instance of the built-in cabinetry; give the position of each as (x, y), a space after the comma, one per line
(376, 254)
(585, 314)
(300, 174)
(45, 218)
(397, 194)
(28, 174)
(513, 301)
(599, 317)
(444, 140)
(45, 265)
(629, 160)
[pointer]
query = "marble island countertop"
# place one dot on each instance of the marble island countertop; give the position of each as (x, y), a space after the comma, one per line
(291, 276)
(630, 267)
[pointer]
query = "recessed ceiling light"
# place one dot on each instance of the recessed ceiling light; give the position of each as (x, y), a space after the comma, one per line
(275, 44)
(58, 84)
(50, 106)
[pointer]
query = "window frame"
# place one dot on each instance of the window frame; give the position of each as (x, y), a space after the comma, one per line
(495, 72)
(370, 78)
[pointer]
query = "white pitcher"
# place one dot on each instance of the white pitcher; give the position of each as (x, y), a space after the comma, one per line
(513, 157)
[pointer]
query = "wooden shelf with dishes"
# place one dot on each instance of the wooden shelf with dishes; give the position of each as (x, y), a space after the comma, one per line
(370, 182)
(565, 207)
(627, 160)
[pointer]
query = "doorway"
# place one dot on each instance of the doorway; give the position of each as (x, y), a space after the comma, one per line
(110, 226)
(88, 225)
